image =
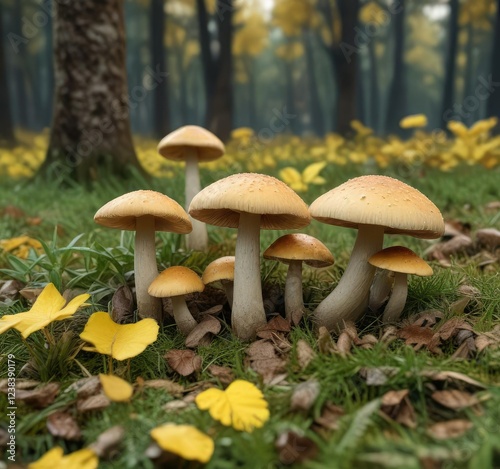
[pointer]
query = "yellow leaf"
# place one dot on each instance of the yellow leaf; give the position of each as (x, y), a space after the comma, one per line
(416, 120)
(115, 388)
(312, 171)
(121, 341)
(184, 440)
(241, 405)
(318, 180)
(55, 459)
(290, 176)
(48, 307)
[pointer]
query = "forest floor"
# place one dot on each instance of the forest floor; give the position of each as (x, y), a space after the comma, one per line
(421, 394)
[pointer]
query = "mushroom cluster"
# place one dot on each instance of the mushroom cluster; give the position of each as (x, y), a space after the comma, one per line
(249, 202)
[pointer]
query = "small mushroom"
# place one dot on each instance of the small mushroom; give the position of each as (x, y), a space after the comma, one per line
(402, 261)
(293, 249)
(192, 144)
(174, 283)
(249, 202)
(145, 212)
(374, 205)
(221, 270)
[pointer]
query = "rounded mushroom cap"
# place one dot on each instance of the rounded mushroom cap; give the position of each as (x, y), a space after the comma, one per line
(300, 247)
(175, 281)
(400, 259)
(222, 202)
(220, 269)
(123, 212)
(208, 146)
(381, 201)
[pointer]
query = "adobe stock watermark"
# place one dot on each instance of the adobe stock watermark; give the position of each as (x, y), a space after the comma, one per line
(11, 408)
(120, 107)
(371, 29)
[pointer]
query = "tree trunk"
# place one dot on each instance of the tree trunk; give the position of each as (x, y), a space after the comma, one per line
(451, 61)
(290, 96)
(493, 108)
(220, 104)
(312, 82)
(470, 72)
(374, 91)
(161, 124)
(396, 107)
(345, 62)
(90, 129)
(6, 128)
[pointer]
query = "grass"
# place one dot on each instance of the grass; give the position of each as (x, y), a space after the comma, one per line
(81, 256)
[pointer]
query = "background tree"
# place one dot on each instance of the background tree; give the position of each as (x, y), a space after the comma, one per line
(493, 108)
(6, 128)
(90, 128)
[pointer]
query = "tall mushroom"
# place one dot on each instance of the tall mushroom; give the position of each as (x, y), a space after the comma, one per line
(374, 205)
(193, 145)
(293, 249)
(249, 202)
(402, 261)
(221, 270)
(174, 283)
(145, 212)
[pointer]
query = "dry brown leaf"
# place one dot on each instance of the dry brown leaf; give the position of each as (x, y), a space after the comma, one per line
(325, 342)
(85, 387)
(223, 373)
(41, 397)
(31, 294)
(171, 387)
(92, 403)
(344, 344)
(367, 341)
(63, 425)
(451, 327)
(305, 353)
(108, 443)
(10, 289)
(330, 416)
(494, 205)
(397, 406)
(488, 238)
(393, 398)
(449, 429)
(452, 377)
(277, 324)
(419, 337)
(122, 309)
(21, 384)
(377, 376)
(427, 318)
(482, 341)
(466, 349)
(468, 290)
(203, 331)
(304, 395)
(294, 448)
(455, 399)
(264, 360)
(184, 362)
(177, 404)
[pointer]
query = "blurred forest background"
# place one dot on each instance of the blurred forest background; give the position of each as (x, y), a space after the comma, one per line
(234, 63)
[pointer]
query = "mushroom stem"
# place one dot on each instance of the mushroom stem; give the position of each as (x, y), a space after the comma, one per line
(198, 238)
(183, 317)
(397, 301)
(228, 286)
(248, 308)
(348, 301)
(294, 302)
(380, 289)
(145, 269)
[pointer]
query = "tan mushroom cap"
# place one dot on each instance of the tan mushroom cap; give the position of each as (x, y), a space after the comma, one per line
(122, 212)
(208, 146)
(400, 259)
(222, 202)
(300, 247)
(382, 201)
(220, 269)
(175, 281)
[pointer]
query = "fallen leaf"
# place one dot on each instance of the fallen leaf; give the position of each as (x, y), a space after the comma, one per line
(85, 387)
(21, 384)
(449, 429)
(330, 416)
(451, 327)
(263, 359)
(428, 318)
(115, 388)
(419, 337)
(277, 324)
(41, 397)
(377, 376)
(294, 448)
(469, 290)
(93, 403)
(184, 362)
(344, 344)
(82, 459)
(31, 294)
(488, 238)
(122, 305)
(171, 387)
(455, 399)
(108, 442)
(466, 349)
(325, 342)
(393, 398)
(494, 205)
(304, 395)
(207, 327)
(223, 373)
(63, 425)
(305, 354)
(452, 377)
(177, 404)
(10, 289)
(397, 406)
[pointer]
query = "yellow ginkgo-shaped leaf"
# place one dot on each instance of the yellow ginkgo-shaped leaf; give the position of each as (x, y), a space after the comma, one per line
(293, 178)
(121, 341)
(82, 459)
(241, 405)
(48, 307)
(184, 440)
(310, 175)
(115, 388)
(414, 121)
